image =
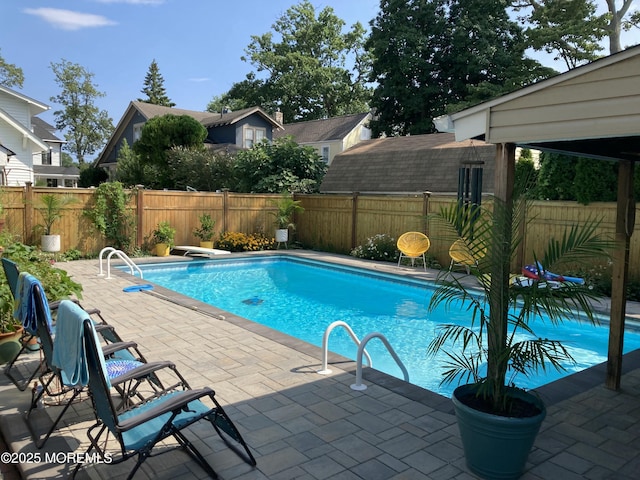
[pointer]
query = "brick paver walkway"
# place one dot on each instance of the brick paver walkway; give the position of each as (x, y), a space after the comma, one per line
(307, 426)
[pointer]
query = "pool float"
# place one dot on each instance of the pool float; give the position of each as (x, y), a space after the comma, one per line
(537, 272)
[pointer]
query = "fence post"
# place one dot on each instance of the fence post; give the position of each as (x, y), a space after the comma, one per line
(140, 209)
(354, 219)
(425, 210)
(28, 213)
(225, 208)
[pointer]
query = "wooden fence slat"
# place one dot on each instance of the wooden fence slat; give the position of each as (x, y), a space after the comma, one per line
(333, 223)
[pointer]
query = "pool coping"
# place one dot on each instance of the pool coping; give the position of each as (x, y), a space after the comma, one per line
(551, 393)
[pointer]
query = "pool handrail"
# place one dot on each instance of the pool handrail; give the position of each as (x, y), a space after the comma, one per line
(325, 345)
(123, 256)
(361, 386)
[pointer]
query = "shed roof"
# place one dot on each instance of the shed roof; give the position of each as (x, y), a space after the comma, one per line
(416, 163)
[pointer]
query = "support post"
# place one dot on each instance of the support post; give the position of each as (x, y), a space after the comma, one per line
(625, 220)
(500, 249)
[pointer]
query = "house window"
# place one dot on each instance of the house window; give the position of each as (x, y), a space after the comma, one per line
(52, 182)
(325, 154)
(137, 131)
(253, 135)
(46, 158)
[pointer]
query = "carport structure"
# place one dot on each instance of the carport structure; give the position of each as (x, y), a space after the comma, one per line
(590, 111)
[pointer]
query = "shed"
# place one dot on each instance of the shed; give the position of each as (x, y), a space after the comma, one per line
(415, 163)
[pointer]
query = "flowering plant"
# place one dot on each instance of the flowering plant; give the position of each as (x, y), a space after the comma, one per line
(378, 247)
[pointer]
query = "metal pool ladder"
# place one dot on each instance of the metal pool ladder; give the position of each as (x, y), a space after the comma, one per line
(361, 351)
(123, 256)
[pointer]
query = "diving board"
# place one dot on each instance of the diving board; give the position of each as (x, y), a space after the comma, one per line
(188, 250)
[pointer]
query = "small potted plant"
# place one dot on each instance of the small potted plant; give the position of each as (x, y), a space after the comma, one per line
(498, 421)
(51, 208)
(163, 236)
(286, 208)
(205, 231)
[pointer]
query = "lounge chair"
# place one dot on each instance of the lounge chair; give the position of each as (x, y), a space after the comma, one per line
(190, 250)
(26, 315)
(462, 255)
(139, 429)
(413, 245)
(57, 381)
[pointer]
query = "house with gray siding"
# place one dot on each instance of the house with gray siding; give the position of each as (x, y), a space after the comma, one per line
(228, 131)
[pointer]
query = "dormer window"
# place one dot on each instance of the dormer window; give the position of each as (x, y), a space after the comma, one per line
(253, 135)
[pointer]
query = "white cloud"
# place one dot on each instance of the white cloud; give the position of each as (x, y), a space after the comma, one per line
(68, 19)
(199, 79)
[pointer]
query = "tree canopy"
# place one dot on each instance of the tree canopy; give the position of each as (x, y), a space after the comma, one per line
(435, 56)
(154, 88)
(87, 128)
(10, 74)
(306, 64)
(279, 166)
(162, 133)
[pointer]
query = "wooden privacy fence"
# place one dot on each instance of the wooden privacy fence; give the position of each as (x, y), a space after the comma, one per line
(334, 223)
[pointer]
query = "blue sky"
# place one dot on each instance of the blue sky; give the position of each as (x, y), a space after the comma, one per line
(196, 43)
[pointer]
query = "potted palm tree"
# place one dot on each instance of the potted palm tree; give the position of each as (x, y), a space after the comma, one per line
(286, 208)
(51, 209)
(498, 421)
(205, 231)
(163, 236)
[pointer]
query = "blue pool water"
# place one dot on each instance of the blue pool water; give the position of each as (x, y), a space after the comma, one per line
(301, 298)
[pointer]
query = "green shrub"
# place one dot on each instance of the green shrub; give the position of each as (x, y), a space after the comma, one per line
(379, 247)
(57, 283)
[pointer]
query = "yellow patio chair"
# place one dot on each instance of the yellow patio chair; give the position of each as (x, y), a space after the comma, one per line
(413, 245)
(462, 256)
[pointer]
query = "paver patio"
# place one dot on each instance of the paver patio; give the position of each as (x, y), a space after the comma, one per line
(307, 426)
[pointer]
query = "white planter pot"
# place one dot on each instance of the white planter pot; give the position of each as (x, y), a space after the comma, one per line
(50, 243)
(282, 235)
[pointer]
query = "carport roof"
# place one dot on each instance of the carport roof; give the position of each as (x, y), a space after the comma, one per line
(591, 111)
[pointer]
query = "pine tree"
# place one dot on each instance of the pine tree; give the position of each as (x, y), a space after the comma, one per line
(154, 88)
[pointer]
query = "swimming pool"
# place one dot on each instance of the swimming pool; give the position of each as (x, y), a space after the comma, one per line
(301, 297)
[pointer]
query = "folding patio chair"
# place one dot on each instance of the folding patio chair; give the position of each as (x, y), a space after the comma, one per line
(126, 375)
(13, 275)
(139, 429)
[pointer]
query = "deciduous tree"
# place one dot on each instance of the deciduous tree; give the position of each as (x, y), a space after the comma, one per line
(306, 62)
(279, 166)
(87, 128)
(436, 56)
(10, 74)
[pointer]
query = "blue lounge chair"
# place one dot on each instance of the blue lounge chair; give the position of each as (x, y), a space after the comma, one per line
(139, 429)
(126, 374)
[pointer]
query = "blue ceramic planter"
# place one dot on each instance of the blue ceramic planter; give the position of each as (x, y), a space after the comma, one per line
(496, 447)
